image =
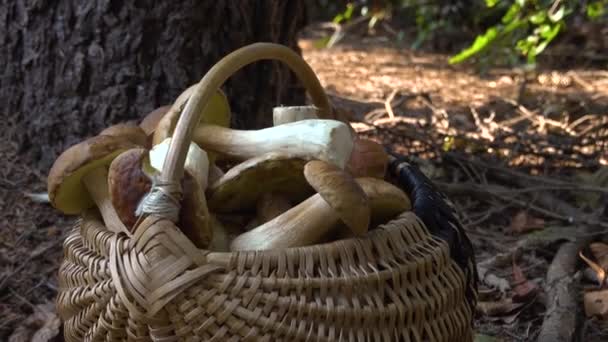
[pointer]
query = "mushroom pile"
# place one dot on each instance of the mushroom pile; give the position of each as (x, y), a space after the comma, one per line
(303, 181)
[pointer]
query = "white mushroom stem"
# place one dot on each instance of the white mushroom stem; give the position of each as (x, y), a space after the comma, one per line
(327, 140)
(96, 182)
(283, 115)
(197, 161)
(301, 225)
(310, 221)
(215, 173)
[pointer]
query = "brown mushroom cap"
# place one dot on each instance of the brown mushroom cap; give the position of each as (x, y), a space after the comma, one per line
(341, 192)
(368, 159)
(151, 120)
(385, 200)
(130, 179)
(128, 183)
(130, 132)
(66, 191)
(194, 217)
(242, 186)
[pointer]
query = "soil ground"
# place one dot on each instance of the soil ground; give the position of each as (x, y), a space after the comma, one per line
(466, 129)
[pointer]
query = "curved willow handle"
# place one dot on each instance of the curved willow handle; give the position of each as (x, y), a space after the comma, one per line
(173, 167)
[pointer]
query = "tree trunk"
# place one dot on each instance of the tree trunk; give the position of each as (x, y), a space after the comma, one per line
(73, 67)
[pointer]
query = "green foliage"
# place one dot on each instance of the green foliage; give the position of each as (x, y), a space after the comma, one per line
(597, 9)
(529, 26)
(509, 30)
(346, 15)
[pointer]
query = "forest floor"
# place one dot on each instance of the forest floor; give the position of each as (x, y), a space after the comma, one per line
(523, 156)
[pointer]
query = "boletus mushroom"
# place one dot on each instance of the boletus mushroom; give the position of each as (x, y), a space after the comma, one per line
(240, 188)
(339, 198)
(273, 203)
(314, 219)
(129, 180)
(78, 179)
(327, 140)
(194, 214)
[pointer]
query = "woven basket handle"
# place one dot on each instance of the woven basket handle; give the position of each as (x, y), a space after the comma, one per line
(173, 167)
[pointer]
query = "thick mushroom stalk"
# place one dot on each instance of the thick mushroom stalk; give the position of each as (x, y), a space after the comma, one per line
(282, 115)
(327, 140)
(302, 225)
(313, 219)
(96, 184)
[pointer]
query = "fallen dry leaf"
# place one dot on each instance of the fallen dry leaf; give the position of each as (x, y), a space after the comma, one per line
(600, 252)
(599, 271)
(523, 222)
(596, 304)
(523, 289)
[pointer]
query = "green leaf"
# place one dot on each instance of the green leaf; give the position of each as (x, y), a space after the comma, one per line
(540, 47)
(511, 14)
(520, 3)
(532, 39)
(538, 17)
(480, 43)
(558, 15)
(543, 30)
(346, 15)
(491, 3)
(596, 9)
(552, 33)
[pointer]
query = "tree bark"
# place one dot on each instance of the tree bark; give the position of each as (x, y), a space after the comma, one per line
(72, 67)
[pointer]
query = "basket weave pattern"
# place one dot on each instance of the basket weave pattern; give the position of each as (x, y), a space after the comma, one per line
(412, 279)
(397, 283)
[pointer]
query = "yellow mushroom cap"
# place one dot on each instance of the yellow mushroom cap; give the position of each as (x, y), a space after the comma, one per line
(217, 112)
(66, 191)
(341, 192)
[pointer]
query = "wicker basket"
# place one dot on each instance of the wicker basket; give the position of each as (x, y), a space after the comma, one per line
(411, 279)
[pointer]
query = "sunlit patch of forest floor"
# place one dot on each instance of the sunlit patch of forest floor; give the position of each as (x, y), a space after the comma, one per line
(522, 155)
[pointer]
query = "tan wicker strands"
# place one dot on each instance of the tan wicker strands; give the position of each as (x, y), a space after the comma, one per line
(396, 284)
